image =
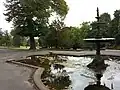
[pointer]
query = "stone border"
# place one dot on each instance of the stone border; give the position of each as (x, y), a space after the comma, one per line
(36, 76)
(22, 64)
(37, 79)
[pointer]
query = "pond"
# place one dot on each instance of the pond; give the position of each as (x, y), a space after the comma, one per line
(71, 73)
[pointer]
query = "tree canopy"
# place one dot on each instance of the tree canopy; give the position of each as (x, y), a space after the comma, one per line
(31, 17)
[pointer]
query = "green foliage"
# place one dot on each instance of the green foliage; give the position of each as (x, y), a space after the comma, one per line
(78, 34)
(52, 37)
(105, 27)
(16, 38)
(31, 17)
(115, 27)
(62, 37)
(24, 41)
(1, 37)
(72, 37)
(16, 41)
(5, 38)
(65, 40)
(105, 21)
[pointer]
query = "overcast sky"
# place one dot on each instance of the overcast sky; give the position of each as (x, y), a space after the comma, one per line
(79, 11)
(3, 24)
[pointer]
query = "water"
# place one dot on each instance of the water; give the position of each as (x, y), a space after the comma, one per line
(81, 76)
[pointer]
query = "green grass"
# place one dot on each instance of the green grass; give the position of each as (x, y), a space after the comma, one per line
(21, 48)
(2, 47)
(15, 48)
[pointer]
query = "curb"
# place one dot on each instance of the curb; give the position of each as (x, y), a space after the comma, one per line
(22, 64)
(37, 79)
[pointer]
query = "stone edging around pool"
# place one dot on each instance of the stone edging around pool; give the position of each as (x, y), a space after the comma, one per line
(36, 76)
(37, 79)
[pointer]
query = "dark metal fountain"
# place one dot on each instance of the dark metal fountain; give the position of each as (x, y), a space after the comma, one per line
(98, 62)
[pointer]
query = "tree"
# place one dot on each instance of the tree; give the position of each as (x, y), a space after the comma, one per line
(57, 26)
(65, 39)
(78, 34)
(52, 38)
(16, 39)
(7, 38)
(1, 37)
(115, 27)
(24, 41)
(105, 27)
(1, 32)
(31, 17)
(84, 29)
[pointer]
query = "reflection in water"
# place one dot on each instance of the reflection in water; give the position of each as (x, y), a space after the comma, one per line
(58, 67)
(57, 81)
(98, 85)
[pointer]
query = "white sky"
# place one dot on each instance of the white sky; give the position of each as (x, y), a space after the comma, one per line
(79, 11)
(3, 24)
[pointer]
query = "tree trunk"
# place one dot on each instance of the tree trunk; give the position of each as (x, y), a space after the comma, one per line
(32, 43)
(56, 43)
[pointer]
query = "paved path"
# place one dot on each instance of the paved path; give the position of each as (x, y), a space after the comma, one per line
(14, 77)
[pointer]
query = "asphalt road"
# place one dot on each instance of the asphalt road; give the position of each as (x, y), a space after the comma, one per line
(13, 77)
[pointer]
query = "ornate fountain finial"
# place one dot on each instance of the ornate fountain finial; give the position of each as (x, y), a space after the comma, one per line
(98, 17)
(97, 12)
(98, 21)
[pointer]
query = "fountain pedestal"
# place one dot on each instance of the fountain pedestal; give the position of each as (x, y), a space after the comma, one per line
(98, 49)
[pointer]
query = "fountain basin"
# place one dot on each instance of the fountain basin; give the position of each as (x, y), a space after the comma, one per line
(99, 39)
(75, 72)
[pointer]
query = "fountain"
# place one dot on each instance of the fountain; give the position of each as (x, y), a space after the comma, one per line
(98, 62)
